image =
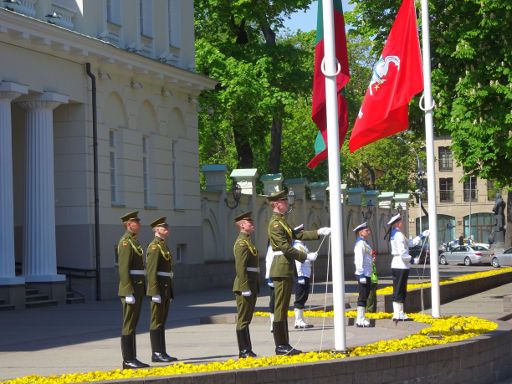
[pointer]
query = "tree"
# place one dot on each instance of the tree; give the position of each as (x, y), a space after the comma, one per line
(471, 45)
(238, 45)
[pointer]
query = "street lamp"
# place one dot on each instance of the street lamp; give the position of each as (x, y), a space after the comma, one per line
(367, 215)
(236, 191)
(291, 200)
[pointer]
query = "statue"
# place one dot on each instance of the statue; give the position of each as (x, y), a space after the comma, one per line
(498, 231)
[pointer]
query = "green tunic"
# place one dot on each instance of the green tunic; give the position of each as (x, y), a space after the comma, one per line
(281, 236)
(131, 279)
(246, 256)
(283, 269)
(159, 259)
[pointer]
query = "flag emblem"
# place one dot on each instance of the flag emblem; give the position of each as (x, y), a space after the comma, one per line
(380, 70)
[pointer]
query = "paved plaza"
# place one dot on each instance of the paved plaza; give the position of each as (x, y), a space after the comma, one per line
(85, 337)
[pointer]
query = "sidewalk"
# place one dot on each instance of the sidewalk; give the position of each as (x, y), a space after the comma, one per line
(85, 337)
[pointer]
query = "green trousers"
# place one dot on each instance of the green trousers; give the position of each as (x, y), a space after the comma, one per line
(159, 312)
(371, 303)
(283, 292)
(244, 310)
(131, 314)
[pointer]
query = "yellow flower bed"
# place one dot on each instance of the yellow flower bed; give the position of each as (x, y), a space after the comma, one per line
(470, 276)
(441, 331)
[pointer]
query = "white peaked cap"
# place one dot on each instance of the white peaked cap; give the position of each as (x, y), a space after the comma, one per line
(360, 226)
(394, 219)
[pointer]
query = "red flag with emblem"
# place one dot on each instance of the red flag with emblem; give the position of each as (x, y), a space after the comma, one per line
(396, 78)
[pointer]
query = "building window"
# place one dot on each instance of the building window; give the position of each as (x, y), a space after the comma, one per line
(146, 18)
(175, 23)
(445, 159)
(446, 189)
(180, 253)
(145, 170)
(113, 167)
(114, 11)
(470, 191)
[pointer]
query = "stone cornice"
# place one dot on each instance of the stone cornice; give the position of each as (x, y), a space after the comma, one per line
(47, 38)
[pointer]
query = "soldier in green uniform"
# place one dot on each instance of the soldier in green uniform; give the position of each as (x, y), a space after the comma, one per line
(245, 286)
(131, 287)
(282, 270)
(159, 275)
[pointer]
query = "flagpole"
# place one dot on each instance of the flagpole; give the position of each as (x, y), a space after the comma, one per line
(330, 68)
(429, 141)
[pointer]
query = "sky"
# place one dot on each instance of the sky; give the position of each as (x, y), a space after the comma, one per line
(306, 21)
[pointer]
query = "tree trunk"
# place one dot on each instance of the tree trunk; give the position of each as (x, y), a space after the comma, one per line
(243, 149)
(276, 131)
(508, 228)
(274, 162)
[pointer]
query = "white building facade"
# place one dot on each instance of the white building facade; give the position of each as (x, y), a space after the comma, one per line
(98, 117)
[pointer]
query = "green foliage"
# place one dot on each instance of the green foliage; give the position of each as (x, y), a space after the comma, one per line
(471, 45)
(389, 164)
(259, 75)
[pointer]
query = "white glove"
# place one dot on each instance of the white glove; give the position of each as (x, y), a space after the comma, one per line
(416, 260)
(324, 231)
(156, 299)
(312, 256)
(301, 280)
(246, 293)
(130, 299)
(362, 280)
(425, 233)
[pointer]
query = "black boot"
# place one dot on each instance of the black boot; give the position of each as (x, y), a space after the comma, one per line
(158, 347)
(243, 346)
(282, 341)
(249, 343)
(129, 352)
(164, 349)
(244, 343)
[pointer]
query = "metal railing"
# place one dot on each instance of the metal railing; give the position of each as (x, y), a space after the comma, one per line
(446, 196)
(470, 195)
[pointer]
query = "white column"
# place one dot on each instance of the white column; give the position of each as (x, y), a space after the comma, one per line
(39, 251)
(8, 92)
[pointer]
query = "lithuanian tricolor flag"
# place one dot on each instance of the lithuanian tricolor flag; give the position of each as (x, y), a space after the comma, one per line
(318, 108)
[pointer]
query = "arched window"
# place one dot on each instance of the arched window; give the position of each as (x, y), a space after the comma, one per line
(479, 225)
(445, 227)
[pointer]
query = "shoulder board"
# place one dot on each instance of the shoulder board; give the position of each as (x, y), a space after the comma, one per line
(124, 243)
(153, 247)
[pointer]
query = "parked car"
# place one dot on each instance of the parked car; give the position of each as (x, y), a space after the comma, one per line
(502, 258)
(467, 255)
(422, 251)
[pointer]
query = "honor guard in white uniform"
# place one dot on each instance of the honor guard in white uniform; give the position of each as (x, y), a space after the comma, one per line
(363, 263)
(302, 284)
(401, 264)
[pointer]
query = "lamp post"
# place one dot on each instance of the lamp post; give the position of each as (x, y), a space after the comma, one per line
(470, 201)
(420, 173)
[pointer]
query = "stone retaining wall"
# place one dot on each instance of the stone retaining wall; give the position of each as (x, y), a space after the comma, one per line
(419, 299)
(485, 359)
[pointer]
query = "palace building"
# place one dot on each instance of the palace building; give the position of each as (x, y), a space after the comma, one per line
(98, 116)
